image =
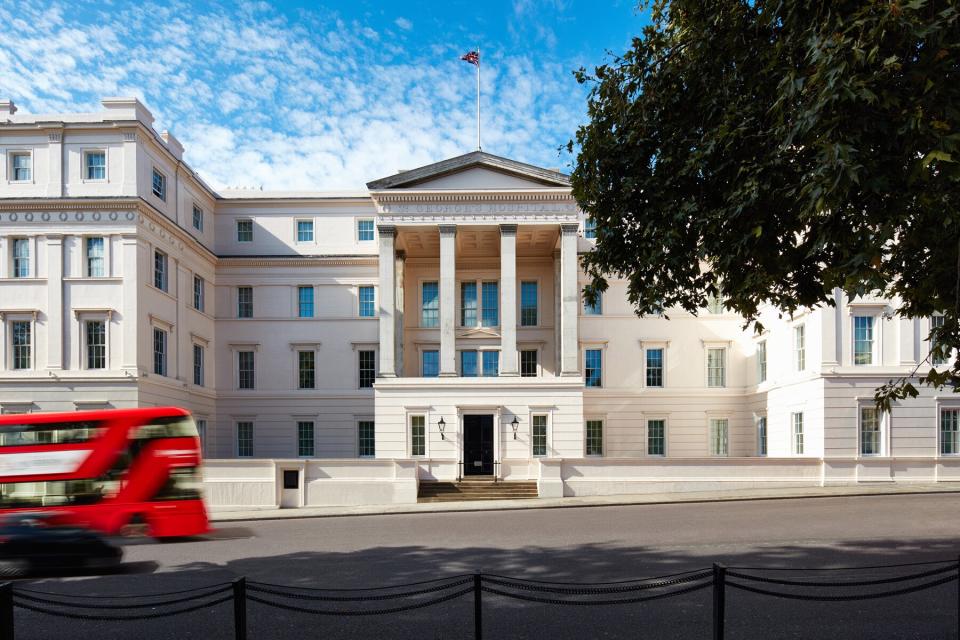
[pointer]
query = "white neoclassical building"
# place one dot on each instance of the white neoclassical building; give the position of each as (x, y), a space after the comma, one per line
(344, 347)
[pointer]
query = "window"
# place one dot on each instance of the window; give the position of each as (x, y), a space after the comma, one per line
(590, 228)
(304, 230)
(364, 230)
(306, 370)
(714, 305)
(869, 431)
(160, 271)
(244, 230)
(418, 436)
(245, 369)
(198, 365)
(863, 339)
(594, 309)
(654, 367)
(159, 185)
(21, 258)
(199, 292)
(491, 364)
(96, 337)
(937, 358)
(367, 302)
(197, 218)
(468, 364)
(528, 363)
(95, 259)
(593, 367)
(431, 364)
(657, 437)
(367, 368)
(367, 439)
(761, 361)
(762, 435)
(245, 439)
(949, 431)
(799, 347)
(490, 302)
(304, 302)
(528, 304)
(305, 439)
(95, 163)
(202, 433)
(719, 436)
(594, 438)
(21, 343)
(796, 419)
(159, 352)
(21, 167)
(468, 304)
(430, 305)
(717, 367)
(244, 302)
(539, 435)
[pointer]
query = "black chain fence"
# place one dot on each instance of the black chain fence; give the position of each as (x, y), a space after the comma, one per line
(379, 601)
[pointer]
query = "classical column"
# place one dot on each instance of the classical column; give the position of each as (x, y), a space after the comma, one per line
(570, 300)
(387, 289)
(55, 324)
(508, 300)
(448, 281)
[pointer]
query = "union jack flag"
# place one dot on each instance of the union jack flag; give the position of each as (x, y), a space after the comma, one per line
(473, 57)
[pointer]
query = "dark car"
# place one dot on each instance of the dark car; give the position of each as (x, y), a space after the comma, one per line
(33, 543)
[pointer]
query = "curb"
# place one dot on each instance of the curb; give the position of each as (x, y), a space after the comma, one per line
(461, 507)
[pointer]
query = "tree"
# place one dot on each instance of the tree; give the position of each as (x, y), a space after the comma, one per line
(771, 152)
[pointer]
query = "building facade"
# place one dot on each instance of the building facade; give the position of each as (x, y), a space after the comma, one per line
(428, 327)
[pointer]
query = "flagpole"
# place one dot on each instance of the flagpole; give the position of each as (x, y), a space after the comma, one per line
(479, 147)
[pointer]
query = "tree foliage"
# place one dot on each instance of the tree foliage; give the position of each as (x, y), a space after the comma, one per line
(773, 152)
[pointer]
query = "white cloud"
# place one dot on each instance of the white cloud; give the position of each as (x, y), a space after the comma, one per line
(258, 99)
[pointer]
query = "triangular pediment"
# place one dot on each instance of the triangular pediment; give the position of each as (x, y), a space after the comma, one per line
(474, 171)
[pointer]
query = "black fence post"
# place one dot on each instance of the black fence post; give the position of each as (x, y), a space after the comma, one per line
(240, 608)
(719, 599)
(6, 611)
(477, 607)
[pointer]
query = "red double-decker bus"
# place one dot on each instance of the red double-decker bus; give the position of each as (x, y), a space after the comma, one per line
(112, 471)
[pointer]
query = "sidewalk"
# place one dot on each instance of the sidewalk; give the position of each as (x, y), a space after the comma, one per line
(235, 514)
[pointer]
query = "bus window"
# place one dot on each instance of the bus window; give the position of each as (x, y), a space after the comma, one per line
(25, 435)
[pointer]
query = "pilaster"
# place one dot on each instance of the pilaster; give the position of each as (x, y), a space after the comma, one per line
(387, 289)
(54, 301)
(508, 300)
(448, 279)
(570, 300)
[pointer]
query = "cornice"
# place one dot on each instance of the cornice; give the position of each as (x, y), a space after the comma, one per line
(431, 195)
(298, 261)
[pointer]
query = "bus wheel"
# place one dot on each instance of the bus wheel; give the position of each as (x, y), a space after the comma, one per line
(135, 528)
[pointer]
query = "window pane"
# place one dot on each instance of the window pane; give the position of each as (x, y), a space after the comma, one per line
(431, 364)
(367, 438)
(528, 363)
(468, 304)
(198, 365)
(304, 230)
(528, 304)
(160, 352)
(491, 364)
(306, 368)
(869, 431)
(95, 266)
(160, 270)
(197, 218)
(245, 439)
(418, 436)
(654, 367)
(590, 228)
(96, 344)
(21, 258)
(305, 439)
(863, 340)
(949, 430)
(491, 304)
(244, 230)
(21, 166)
(719, 440)
(594, 437)
(594, 309)
(468, 364)
(365, 230)
(159, 185)
(937, 358)
(593, 367)
(539, 435)
(799, 346)
(716, 367)
(797, 422)
(245, 369)
(367, 306)
(430, 305)
(656, 437)
(199, 292)
(762, 435)
(367, 371)
(96, 165)
(762, 361)
(304, 302)
(22, 344)
(244, 302)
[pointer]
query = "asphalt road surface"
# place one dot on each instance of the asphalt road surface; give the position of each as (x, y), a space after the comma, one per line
(569, 545)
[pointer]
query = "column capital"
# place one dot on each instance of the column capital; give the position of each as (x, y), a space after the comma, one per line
(569, 228)
(447, 229)
(387, 229)
(508, 229)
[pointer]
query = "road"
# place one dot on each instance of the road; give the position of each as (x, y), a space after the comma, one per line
(571, 544)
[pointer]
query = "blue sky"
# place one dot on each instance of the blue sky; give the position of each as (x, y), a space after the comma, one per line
(304, 95)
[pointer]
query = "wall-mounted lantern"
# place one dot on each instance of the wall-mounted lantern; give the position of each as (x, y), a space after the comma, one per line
(442, 425)
(515, 424)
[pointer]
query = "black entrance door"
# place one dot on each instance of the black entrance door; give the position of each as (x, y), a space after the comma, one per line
(477, 445)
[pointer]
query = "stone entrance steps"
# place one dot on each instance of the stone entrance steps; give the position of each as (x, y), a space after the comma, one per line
(475, 489)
